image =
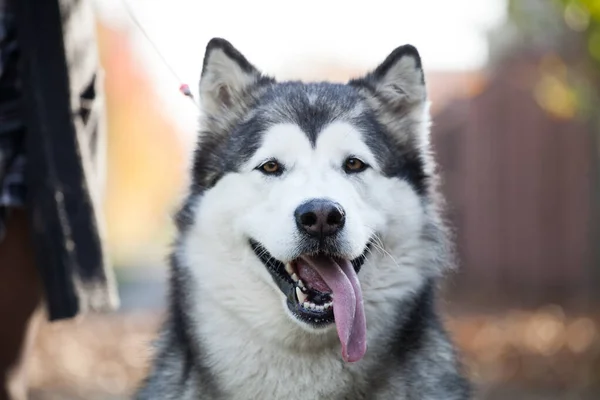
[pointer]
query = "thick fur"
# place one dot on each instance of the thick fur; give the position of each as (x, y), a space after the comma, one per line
(229, 334)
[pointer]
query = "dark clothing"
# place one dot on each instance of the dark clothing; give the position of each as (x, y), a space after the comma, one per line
(12, 129)
(52, 145)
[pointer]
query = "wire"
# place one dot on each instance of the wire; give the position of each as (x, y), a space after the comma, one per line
(183, 88)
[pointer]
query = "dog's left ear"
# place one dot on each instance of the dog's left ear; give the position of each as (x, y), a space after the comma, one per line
(227, 79)
(398, 81)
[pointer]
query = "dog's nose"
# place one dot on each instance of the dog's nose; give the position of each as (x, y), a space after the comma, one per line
(320, 217)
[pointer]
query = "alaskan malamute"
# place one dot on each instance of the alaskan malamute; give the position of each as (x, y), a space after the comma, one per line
(310, 244)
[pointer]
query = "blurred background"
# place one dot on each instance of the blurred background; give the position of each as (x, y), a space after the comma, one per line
(515, 90)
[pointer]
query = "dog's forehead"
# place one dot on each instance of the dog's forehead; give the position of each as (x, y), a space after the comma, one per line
(327, 110)
(310, 106)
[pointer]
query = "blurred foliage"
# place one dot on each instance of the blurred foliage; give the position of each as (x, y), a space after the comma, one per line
(567, 32)
(556, 24)
(584, 16)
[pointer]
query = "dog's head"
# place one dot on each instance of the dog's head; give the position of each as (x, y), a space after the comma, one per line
(296, 185)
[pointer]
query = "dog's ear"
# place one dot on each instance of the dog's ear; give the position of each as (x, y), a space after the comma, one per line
(398, 81)
(227, 79)
(396, 92)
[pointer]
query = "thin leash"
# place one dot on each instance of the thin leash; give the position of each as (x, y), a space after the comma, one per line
(183, 87)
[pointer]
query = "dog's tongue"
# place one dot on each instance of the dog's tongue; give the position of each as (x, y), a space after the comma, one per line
(340, 277)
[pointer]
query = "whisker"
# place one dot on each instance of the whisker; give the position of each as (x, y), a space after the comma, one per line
(378, 244)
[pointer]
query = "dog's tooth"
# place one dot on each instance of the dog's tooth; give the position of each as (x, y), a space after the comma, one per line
(288, 268)
(313, 306)
(320, 308)
(301, 284)
(295, 277)
(301, 296)
(305, 305)
(326, 306)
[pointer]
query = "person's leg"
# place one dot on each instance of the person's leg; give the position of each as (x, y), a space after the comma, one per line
(20, 305)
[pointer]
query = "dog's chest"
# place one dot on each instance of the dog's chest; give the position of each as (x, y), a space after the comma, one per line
(260, 372)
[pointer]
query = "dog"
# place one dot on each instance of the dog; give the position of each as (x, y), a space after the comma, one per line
(310, 244)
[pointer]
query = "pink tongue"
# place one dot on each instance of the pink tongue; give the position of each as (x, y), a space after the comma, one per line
(340, 277)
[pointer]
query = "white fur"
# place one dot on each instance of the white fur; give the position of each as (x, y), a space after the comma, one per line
(245, 322)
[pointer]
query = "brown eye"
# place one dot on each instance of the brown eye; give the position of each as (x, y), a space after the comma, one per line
(354, 165)
(271, 168)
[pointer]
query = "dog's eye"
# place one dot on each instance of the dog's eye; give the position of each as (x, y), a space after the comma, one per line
(271, 167)
(354, 165)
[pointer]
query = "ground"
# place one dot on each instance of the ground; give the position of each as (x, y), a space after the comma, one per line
(541, 354)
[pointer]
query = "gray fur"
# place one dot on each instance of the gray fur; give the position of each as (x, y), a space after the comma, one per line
(409, 354)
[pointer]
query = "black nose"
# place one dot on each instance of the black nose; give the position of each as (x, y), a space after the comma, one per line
(320, 217)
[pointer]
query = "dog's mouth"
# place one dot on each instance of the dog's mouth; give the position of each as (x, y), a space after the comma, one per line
(322, 289)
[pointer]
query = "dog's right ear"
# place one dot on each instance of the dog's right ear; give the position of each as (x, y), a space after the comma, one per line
(227, 79)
